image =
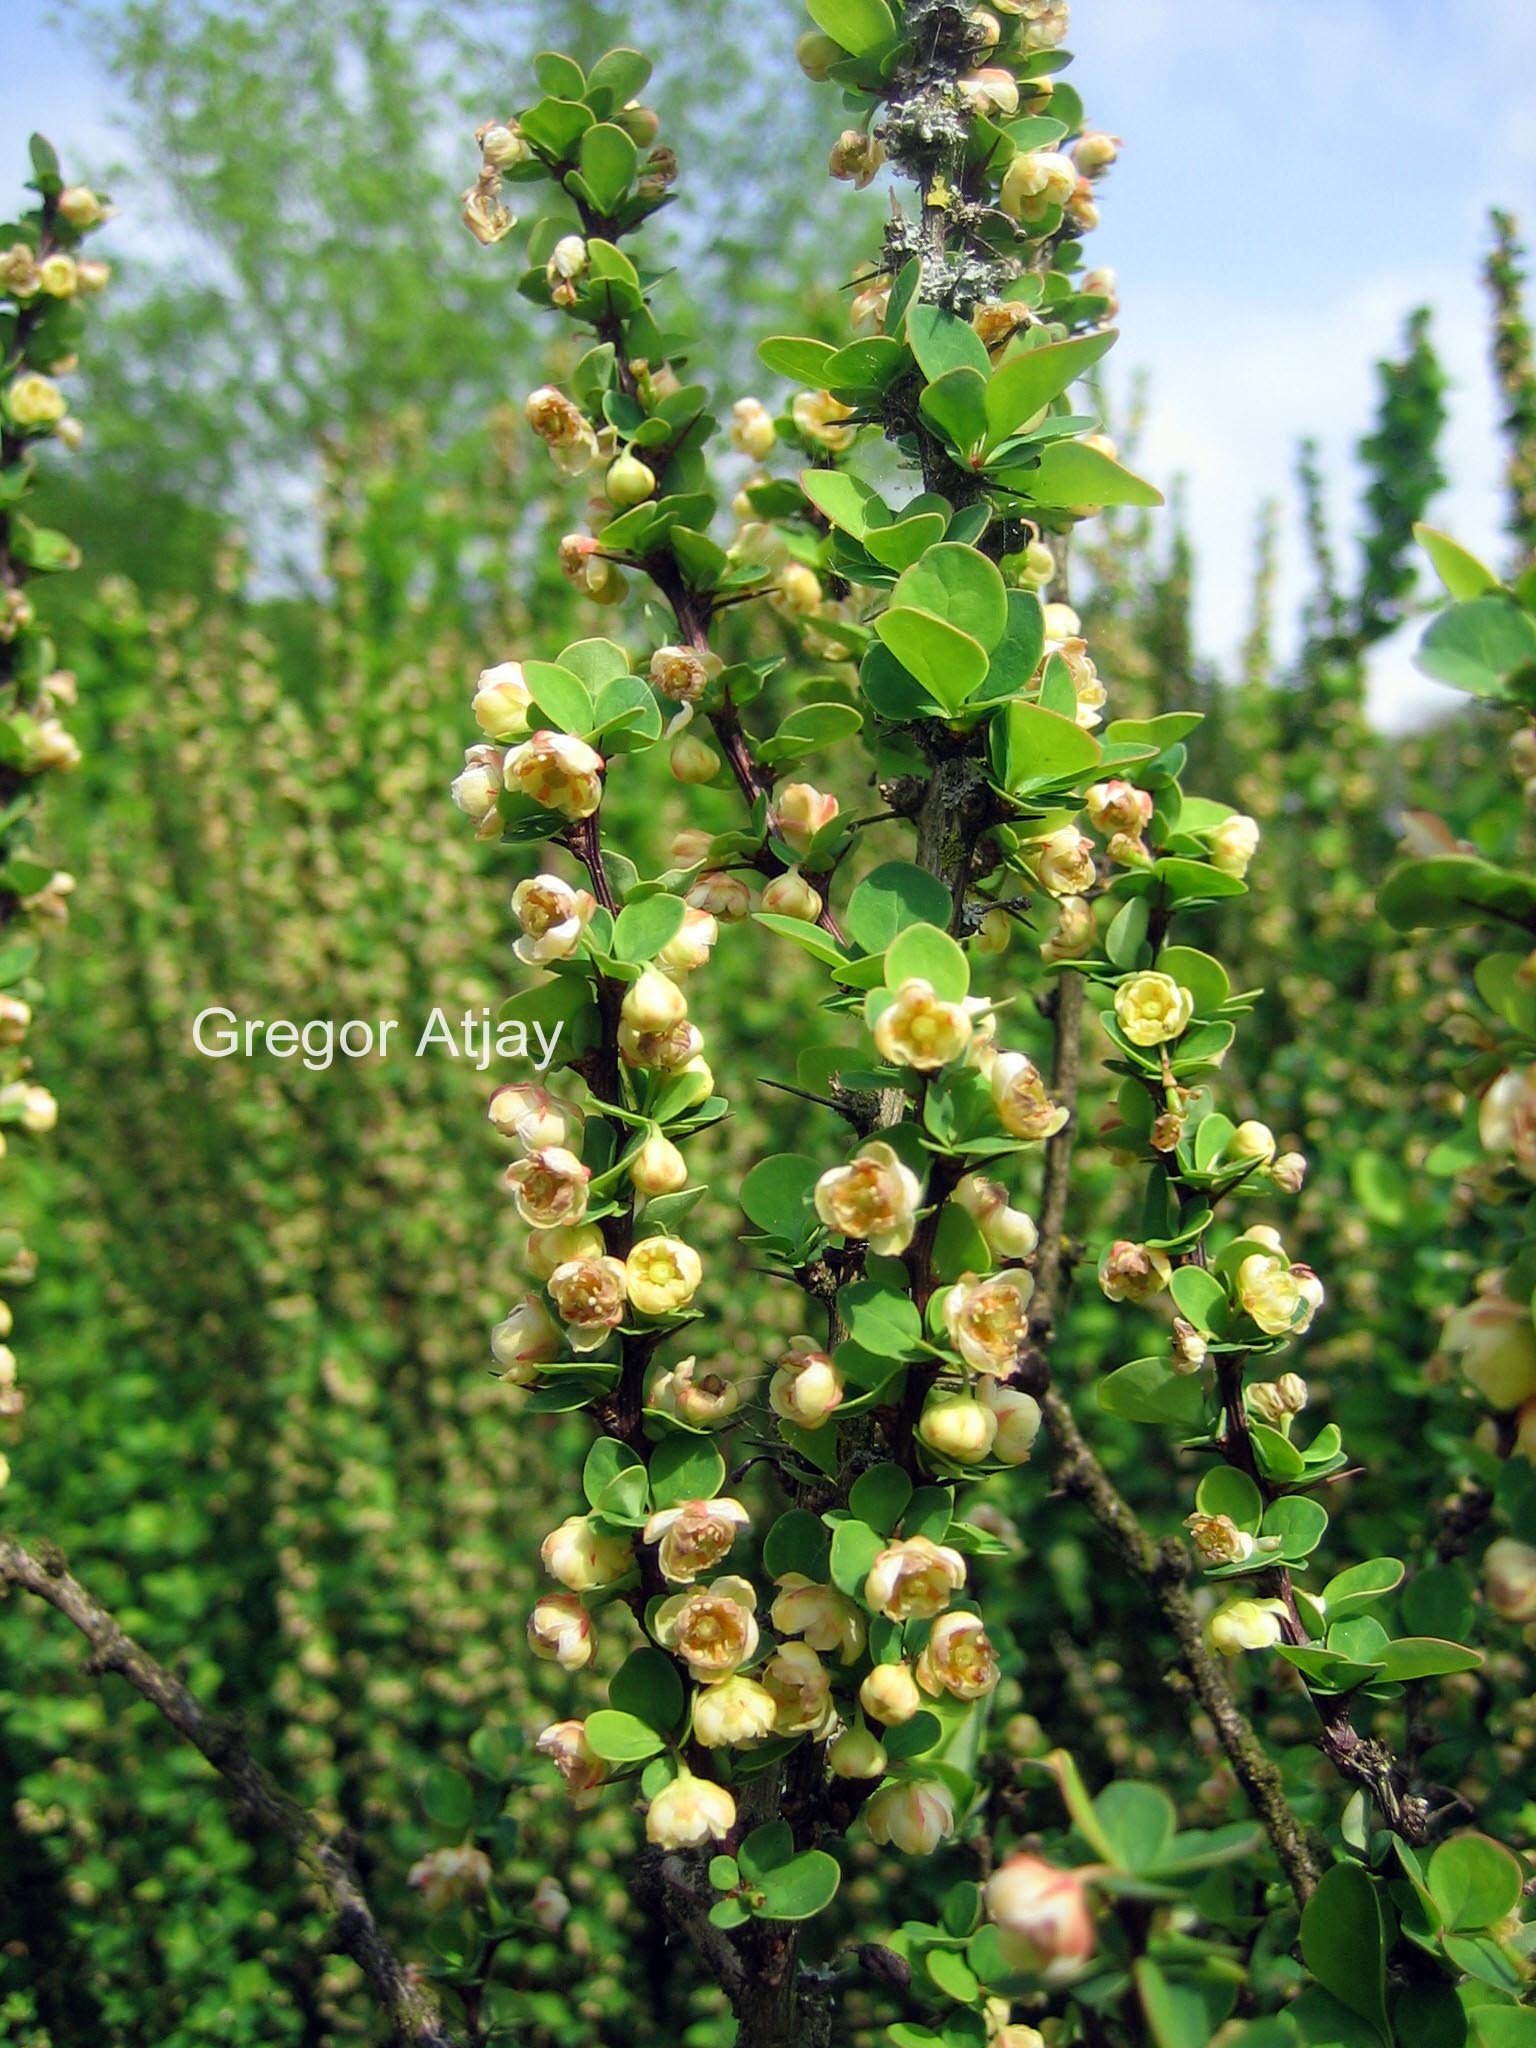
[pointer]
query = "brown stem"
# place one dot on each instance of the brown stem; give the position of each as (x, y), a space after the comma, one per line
(410, 2009)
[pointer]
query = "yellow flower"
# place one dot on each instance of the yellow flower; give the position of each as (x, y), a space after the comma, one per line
(557, 771)
(1495, 1341)
(958, 1658)
(874, 1197)
(957, 1427)
(1246, 1625)
(890, 1694)
(912, 1580)
(914, 1815)
(501, 700)
(714, 1630)
(735, 1714)
(1020, 1099)
(1064, 862)
(1282, 1299)
(802, 811)
(1041, 1912)
(688, 1813)
(549, 1187)
(918, 1029)
(582, 1769)
(563, 428)
(819, 417)
(662, 1274)
(1151, 1008)
(1018, 1421)
(583, 1557)
(1233, 844)
(560, 1631)
(801, 1689)
(526, 1338)
(988, 1320)
(694, 1536)
(806, 1385)
(35, 400)
(1133, 1272)
(827, 1619)
(1035, 182)
(589, 1297)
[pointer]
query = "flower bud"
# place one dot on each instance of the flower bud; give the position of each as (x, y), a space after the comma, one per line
(550, 1906)
(525, 1338)
(502, 145)
(1276, 1401)
(35, 401)
(806, 1386)
(857, 1753)
(816, 54)
(1242, 1625)
(855, 158)
(565, 1744)
(690, 949)
(688, 1813)
(1496, 1344)
(653, 1003)
(914, 1815)
(658, 1168)
(475, 792)
(791, 895)
(1018, 1421)
(1288, 1172)
(93, 276)
(1233, 844)
(80, 206)
(1008, 1232)
(501, 701)
(582, 1557)
(1064, 862)
(1119, 806)
(450, 1877)
(1509, 1579)
(640, 124)
(752, 430)
(993, 934)
(58, 276)
(560, 1631)
(821, 419)
(798, 589)
(629, 481)
(1075, 932)
(958, 1427)
(1189, 1346)
(1041, 1912)
(1095, 152)
(693, 760)
(890, 1695)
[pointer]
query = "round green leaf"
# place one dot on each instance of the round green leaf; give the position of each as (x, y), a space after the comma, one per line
(1475, 1881)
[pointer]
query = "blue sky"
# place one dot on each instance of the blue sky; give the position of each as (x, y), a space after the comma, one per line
(1298, 174)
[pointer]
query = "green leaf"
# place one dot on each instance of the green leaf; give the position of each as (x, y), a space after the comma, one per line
(1226, 1491)
(767, 1848)
(880, 1321)
(1461, 572)
(1149, 1390)
(621, 1738)
(1205, 978)
(647, 1687)
(845, 500)
(1476, 647)
(563, 698)
(1361, 1586)
(960, 585)
(607, 158)
(924, 953)
(1425, 1657)
(1181, 2012)
(797, 357)
(861, 26)
(955, 406)
(810, 938)
(1041, 749)
(1436, 1602)
(855, 1546)
(942, 341)
(1073, 474)
(641, 929)
(1452, 889)
(1343, 1943)
(1475, 1881)
(1139, 1822)
(797, 1542)
(1031, 378)
(880, 1496)
(447, 1797)
(799, 1889)
(776, 1195)
(685, 1468)
(1504, 2026)
(1299, 1522)
(607, 1461)
(890, 899)
(810, 726)
(950, 664)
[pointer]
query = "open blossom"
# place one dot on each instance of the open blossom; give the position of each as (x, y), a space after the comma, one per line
(553, 917)
(918, 1029)
(501, 700)
(1151, 1008)
(827, 1619)
(914, 1815)
(855, 158)
(913, 1579)
(1008, 1233)
(1242, 1625)
(802, 1691)
(1506, 1119)
(535, 1118)
(451, 1877)
(1282, 1299)
(988, 1320)
(734, 1714)
(1019, 1096)
(874, 1197)
(802, 812)
(563, 428)
(705, 1399)
(663, 1275)
(1118, 806)
(584, 1557)
(560, 1631)
(1494, 1340)
(806, 1386)
(958, 1658)
(694, 1536)
(1133, 1272)
(688, 1813)
(590, 1299)
(561, 773)
(488, 219)
(1041, 1912)
(1064, 862)
(1233, 844)
(1218, 1540)
(1043, 23)
(525, 1338)
(819, 417)
(1035, 182)
(890, 1694)
(683, 674)
(549, 1187)
(991, 90)
(955, 1426)
(662, 1052)
(1509, 1579)
(565, 1744)
(1018, 1421)
(713, 1630)
(35, 400)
